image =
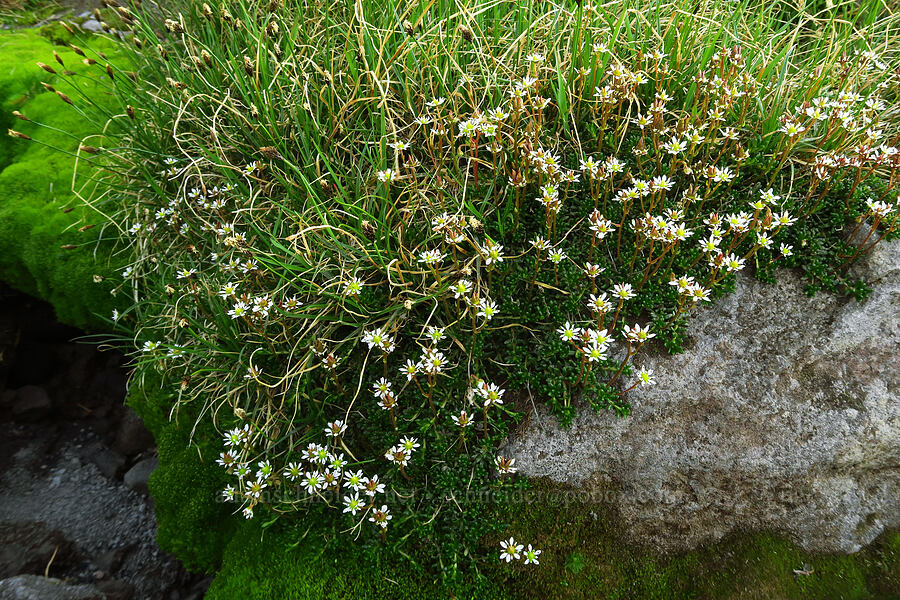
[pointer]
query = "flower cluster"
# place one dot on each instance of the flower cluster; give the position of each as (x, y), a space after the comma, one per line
(510, 551)
(363, 313)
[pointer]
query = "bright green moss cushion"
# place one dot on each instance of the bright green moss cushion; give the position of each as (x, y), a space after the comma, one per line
(36, 183)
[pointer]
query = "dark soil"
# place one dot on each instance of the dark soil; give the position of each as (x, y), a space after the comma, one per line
(66, 442)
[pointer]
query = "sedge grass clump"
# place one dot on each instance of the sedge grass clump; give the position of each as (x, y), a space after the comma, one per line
(362, 242)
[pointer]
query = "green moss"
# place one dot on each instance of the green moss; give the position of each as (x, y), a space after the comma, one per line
(56, 34)
(193, 522)
(584, 557)
(279, 564)
(36, 183)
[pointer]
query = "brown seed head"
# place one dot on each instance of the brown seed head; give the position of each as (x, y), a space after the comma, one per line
(270, 152)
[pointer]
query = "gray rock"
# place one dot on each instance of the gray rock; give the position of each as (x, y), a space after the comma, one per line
(110, 561)
(92, 25)
(115, 589)
(137, 476)
(108, 461)
(34, 587)
(132, 437)
(783, 415)
(31, 404)
(28, 547)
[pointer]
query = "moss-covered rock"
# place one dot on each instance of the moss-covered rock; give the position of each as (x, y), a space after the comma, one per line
(39, 214)
(584, 556)
(278, 563)
(193, 522)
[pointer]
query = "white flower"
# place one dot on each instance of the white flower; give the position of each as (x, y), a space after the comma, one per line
(381, 516)
(228, 493)
(878, 208)
(623, 291)
(353, 286)
(338, 463)
(373, 486)
(556, 256)
(568, 332)
(409, 444)
(433, 361)
(410, 369)
(638, 334)
(381, 388)
(398, 455)
(510, 550)
(505, 465)
(353, 504)
(435, 334)
(228, 290)
(645, 377)
(492, 253)
(378, 337)
(431, 257)
(531, 555)
(462, 288)
(595, 352)
(463, 419)
(239, 310)
(354, 481)
(768, 196)
(599, 304)
(237, 436)
(312, 482)
(487, 309)
(491, 393)
(733, 263)
(292, 471)
(385, 176)
(335, 428)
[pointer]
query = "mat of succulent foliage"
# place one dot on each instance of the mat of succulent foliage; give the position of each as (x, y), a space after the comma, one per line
(366, 238)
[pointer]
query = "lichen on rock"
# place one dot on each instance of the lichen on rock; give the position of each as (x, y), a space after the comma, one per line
(783, 416)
